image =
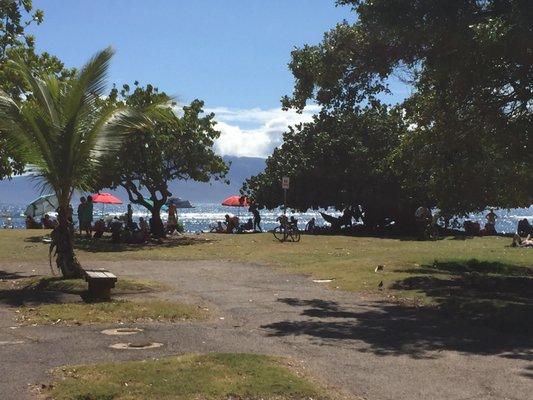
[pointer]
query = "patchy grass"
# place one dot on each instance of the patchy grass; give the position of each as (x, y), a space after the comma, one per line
(417, 271)
(115, 311)
(209, 377)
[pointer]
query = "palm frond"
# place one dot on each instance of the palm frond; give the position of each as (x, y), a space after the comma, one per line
(40, 89)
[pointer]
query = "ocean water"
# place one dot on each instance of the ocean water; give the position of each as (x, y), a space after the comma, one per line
(203, 216)
(199, 218)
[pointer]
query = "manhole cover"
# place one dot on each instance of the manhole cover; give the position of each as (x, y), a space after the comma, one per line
(136, 345)
(121, 331)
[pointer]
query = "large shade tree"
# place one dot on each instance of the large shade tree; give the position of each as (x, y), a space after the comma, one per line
(340, 160)
(470, 66)
(63, 132)
(177, 145)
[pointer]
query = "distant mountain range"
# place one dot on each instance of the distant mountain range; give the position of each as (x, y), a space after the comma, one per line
(23, 189)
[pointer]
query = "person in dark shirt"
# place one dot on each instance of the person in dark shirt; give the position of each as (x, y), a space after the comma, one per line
(81, 214)
(257, 217)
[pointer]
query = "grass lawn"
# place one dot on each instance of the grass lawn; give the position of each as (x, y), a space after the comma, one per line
(115, 311)
(481, 275)
(210, 377)
(350, 260)
(49, 305)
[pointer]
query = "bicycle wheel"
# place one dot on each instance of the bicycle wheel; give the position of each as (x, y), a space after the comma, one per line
(279, 233)
(295, 235)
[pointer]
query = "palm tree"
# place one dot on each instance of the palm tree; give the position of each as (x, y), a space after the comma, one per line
(64, 130)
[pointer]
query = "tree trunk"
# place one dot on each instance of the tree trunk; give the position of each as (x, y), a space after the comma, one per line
(405, 220)
(157, 227)
(63, 240)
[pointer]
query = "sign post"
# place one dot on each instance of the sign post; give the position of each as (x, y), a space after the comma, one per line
(285, 182)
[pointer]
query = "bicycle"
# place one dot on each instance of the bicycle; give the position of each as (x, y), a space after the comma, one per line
(285, 232)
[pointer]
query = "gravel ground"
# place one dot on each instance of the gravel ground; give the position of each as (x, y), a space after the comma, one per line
(364, 347)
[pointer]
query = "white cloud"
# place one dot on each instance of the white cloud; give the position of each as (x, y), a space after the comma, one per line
(254, 132)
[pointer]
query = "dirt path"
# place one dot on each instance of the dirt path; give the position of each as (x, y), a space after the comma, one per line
(371, 349)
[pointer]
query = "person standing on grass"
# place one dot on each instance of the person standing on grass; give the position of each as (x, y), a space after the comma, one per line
(172, 221)
(129, 218)
(490, 226)
(81, 214)
(257, 217)
(423, 219)
(88, 216)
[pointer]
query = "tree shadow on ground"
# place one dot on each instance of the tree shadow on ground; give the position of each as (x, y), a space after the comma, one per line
(393, 329)
(18, 297)
(493, 294)
(104, 244)
(8, 276)
(36, 289)
(472, 266)
(528, 373)
(23, 291)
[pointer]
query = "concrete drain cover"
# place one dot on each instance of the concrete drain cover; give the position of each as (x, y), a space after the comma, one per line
(136, 345)
(121, 331)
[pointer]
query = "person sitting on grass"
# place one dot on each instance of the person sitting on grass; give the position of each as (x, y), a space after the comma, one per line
(218, 228)
(232, 223)
(519, 242)
(32, 224)
(310, 226)
(116, 230)
(144, 228)
(524, 228)
(248, 226)
(99, 228)
(47, 222)
(293, 222)
(136, 237)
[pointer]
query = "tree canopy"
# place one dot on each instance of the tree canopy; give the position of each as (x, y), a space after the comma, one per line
(339, 160)
(466, 140)
(15, 17)
(177, 145)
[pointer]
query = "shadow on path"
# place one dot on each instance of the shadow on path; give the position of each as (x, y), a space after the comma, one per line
(392, 329)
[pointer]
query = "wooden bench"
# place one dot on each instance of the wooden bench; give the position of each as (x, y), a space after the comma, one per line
(100, 283)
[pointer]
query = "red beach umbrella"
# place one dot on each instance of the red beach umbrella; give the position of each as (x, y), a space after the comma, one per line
(236, 201)
(106, 198)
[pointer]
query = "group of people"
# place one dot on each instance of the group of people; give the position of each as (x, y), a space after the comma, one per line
(426, 224)
(122, 229)
(45, 223)
(232, 224)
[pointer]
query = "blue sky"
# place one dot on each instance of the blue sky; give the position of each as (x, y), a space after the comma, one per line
(232, 54)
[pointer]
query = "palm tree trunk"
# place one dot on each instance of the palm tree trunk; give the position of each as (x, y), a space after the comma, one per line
(63, 237)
